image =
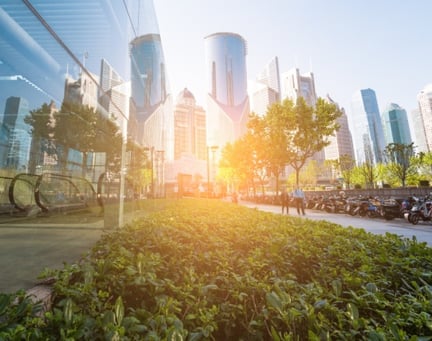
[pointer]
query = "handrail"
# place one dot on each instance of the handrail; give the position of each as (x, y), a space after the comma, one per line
(12, 186)
(70, 180)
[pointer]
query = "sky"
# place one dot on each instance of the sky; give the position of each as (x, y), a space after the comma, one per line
(348, 44)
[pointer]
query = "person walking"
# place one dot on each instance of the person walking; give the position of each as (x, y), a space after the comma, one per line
(285, 199)
(299, 198)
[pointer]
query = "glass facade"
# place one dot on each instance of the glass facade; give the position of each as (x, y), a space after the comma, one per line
(67, 70)
(226, 65)
(147, 74)
(227, 101)
(366, 127)
(395, 124)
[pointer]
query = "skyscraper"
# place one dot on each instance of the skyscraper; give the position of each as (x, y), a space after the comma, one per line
(265, 90)
(148, 89)
(417, 130)
(395, 125)
(270, 76)
(19, 141)
(366, 127)
(341, 143)
(228, 101)
(295, 85)
(189, 127)
(424, 99)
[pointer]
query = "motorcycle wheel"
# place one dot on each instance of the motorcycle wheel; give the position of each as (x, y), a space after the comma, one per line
(414, 218)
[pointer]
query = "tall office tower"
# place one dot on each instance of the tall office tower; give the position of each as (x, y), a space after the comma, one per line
(270, 76)
(109, 78)
(424, 99)
(417, 130)
(82, 91)
(261, 97)
(341, 143)
(366, 127)
(395, 125)
(189, 127)
(265, 90)
(149, 97)
(227, 99)
(295, 85)
(17, 153)
(114, 94)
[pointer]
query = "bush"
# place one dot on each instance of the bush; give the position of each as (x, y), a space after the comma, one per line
(207, 270)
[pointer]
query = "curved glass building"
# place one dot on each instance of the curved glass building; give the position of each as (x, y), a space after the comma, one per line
(148, 84)
(228, 102)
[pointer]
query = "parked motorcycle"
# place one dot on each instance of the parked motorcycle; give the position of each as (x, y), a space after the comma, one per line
(421, 211)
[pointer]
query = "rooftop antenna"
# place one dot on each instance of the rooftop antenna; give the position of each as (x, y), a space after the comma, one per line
(310, 65)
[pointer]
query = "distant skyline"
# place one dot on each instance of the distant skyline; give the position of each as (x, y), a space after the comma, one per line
(348, 45)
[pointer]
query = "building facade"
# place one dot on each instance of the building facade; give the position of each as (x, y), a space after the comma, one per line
(366, 128)
(341, 142)
(227, 99)
(395, 125)
(189, 127)
(265, 90)
(295, 85)
(16, 152)
(417, 130)
(150, 102)
(424, 99)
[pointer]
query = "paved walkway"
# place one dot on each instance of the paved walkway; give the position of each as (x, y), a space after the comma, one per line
(422, 232)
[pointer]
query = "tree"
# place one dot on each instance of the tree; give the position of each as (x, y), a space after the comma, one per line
(345, 165)
(399, 160)
(83, 129)
(41, 125)
(235, 164)
(300, 130)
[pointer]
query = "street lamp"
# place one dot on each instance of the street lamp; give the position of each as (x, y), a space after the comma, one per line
(151, 149)
(213, 150)
(160, 172)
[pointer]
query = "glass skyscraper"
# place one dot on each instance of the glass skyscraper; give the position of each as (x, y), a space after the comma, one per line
(395, 124)
(366, 127)
(228, 101)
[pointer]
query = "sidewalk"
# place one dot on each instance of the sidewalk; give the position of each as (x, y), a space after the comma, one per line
(26, 248)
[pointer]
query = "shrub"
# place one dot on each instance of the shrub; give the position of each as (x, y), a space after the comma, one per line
(207, 270)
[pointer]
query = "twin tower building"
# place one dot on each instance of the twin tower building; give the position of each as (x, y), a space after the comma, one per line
(152, 120)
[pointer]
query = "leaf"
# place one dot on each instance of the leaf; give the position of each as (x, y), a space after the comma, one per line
(119, 310)
(337, 287)
(352, 311)
(275, 335)
(4, 302)
(68, 312)
(274, 301)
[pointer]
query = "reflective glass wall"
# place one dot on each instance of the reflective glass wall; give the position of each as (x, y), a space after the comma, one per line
(64, 99)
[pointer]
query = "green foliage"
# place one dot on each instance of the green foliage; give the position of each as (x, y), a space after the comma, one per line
(208, 270)
(399, 161)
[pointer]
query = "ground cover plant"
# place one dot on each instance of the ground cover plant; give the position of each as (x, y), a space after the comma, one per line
(210, 270)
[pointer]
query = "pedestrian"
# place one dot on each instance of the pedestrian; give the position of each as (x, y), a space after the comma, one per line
(299, 199)
(285, 199)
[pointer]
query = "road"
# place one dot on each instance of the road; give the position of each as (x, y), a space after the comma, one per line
(422, 232)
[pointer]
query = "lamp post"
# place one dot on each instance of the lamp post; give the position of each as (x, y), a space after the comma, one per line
(160, 172)
(213, 150)
(151, 149)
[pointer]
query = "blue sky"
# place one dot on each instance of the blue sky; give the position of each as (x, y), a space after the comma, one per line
(348, 44)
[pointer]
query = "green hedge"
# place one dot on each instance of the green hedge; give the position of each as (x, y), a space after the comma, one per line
(208, 270)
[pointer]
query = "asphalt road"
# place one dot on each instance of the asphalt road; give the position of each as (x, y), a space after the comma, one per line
(422, 232)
